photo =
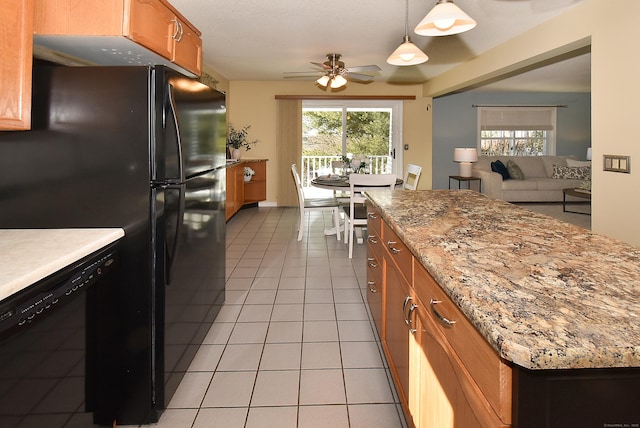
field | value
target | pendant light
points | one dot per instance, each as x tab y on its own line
407	53
445	19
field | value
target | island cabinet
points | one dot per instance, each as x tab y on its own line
375	282
16	37
153	24
445	373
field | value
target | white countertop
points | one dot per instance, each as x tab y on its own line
29	255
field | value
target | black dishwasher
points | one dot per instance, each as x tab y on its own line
48	344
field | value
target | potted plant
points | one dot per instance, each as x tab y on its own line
237	139
248	173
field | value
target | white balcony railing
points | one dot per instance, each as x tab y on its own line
313	166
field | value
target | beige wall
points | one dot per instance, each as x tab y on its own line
614	90
253	103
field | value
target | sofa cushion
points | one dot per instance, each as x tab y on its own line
557	183
500	168
514	170
531	166
575	173
550	161
573	162
520	185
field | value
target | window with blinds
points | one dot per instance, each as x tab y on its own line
517	131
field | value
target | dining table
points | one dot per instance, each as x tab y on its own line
341	183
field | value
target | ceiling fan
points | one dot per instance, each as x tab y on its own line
334	74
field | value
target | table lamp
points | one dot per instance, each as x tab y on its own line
465	157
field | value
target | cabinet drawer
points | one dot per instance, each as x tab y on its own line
398	252
374	244
374	292
487	369
374	220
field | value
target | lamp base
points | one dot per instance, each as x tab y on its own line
465	169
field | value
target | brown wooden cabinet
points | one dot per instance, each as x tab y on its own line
239	192
255	190
153	24
16	41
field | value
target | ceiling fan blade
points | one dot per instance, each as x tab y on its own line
310	73
358	76
324	66
364	68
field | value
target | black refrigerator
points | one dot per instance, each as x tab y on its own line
142	148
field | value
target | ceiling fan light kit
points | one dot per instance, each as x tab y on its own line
445	19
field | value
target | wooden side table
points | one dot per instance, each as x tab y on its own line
468	180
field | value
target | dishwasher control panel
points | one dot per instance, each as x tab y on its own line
45	295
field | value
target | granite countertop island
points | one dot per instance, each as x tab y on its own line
29	255
544	293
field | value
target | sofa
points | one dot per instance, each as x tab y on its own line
533	179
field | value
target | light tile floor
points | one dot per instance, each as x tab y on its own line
294	345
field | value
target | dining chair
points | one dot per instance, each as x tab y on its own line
314	204
337	167
411	176
356	213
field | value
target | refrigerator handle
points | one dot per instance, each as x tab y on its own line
174	116
173	251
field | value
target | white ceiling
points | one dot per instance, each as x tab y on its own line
260	40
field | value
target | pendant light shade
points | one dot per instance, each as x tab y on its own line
407	53
445	19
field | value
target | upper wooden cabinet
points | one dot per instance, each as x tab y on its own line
15	68
89	30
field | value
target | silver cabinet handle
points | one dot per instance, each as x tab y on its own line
372	286
373	240
371	214
412	308
179	32
372	262
393	249
445	321
407	299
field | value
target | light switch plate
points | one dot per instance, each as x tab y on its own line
616	163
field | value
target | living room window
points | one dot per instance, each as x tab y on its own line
516	130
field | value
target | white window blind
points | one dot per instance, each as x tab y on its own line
516	130
517	118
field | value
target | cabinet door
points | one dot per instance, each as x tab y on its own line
446	394
396	331
16	36
187	48
153	25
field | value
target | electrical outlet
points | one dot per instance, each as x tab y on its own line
615	163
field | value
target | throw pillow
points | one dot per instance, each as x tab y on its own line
575	173
514	170
574	163
501	169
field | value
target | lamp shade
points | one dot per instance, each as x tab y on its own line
465	155
589	153
338	82
323	80
407	54
445	19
